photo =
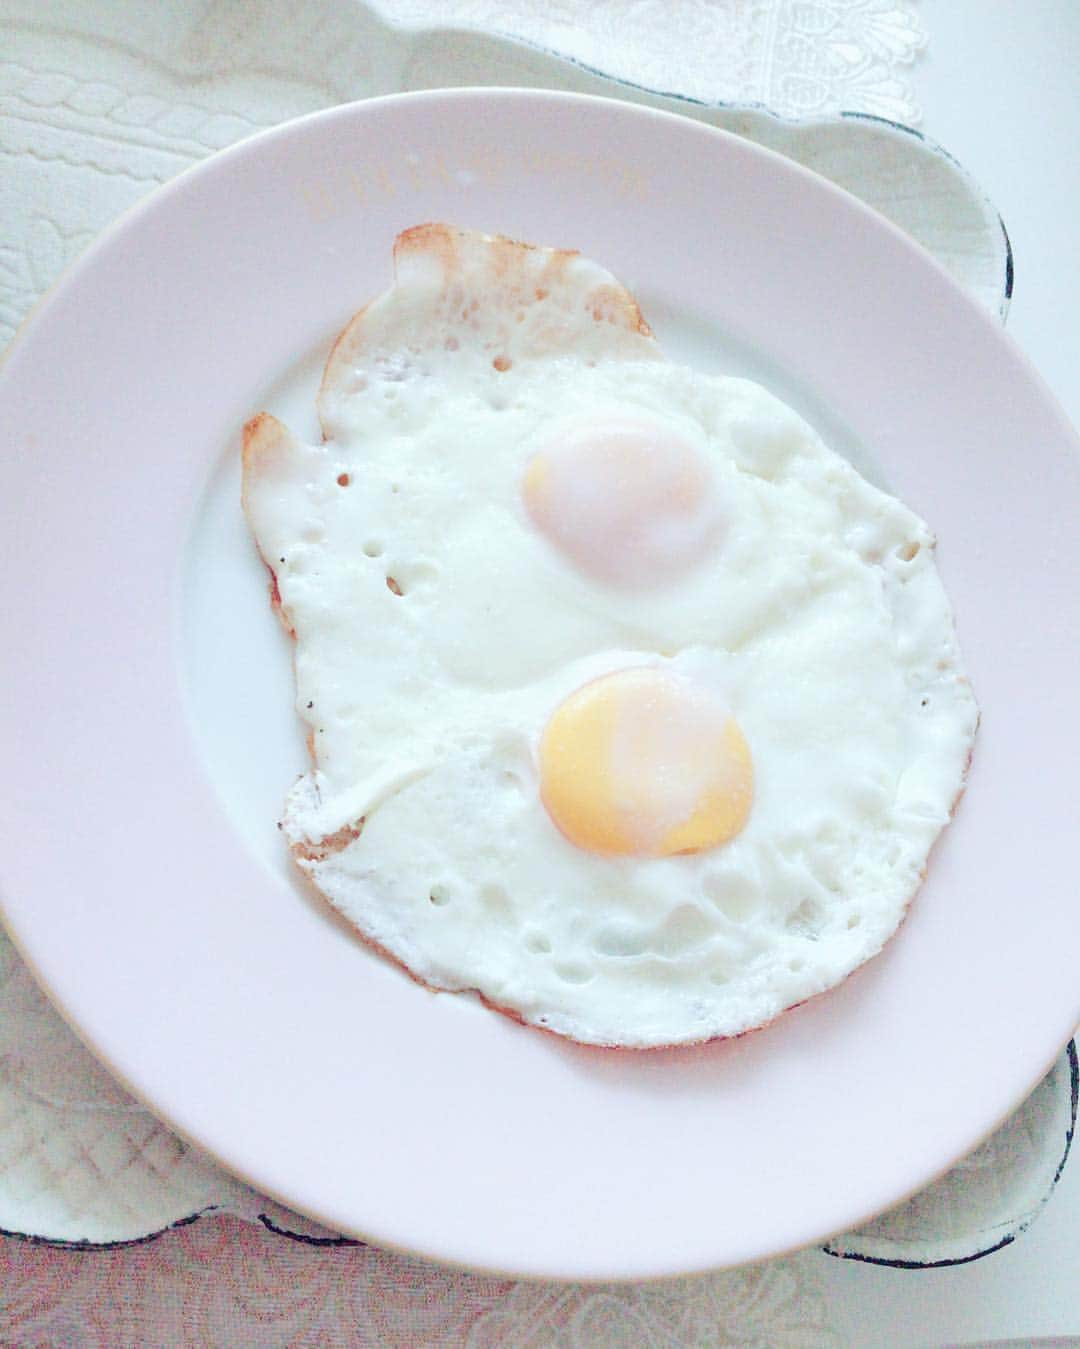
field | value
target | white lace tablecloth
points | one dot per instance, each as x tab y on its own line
801	58
101	102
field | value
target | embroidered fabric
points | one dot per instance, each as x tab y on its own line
801	58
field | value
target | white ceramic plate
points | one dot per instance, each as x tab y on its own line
149	733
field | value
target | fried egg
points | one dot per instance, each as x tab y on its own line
632	706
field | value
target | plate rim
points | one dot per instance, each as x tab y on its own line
213	164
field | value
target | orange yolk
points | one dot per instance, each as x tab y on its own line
629	502
646	763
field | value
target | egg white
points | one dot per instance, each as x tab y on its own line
820	620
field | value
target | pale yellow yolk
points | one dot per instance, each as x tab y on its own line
629	502
646	763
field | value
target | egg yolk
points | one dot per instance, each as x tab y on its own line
645	763
630	502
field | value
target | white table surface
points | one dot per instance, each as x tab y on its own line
1000	89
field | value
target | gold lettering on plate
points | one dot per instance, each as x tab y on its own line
319	200
366	184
